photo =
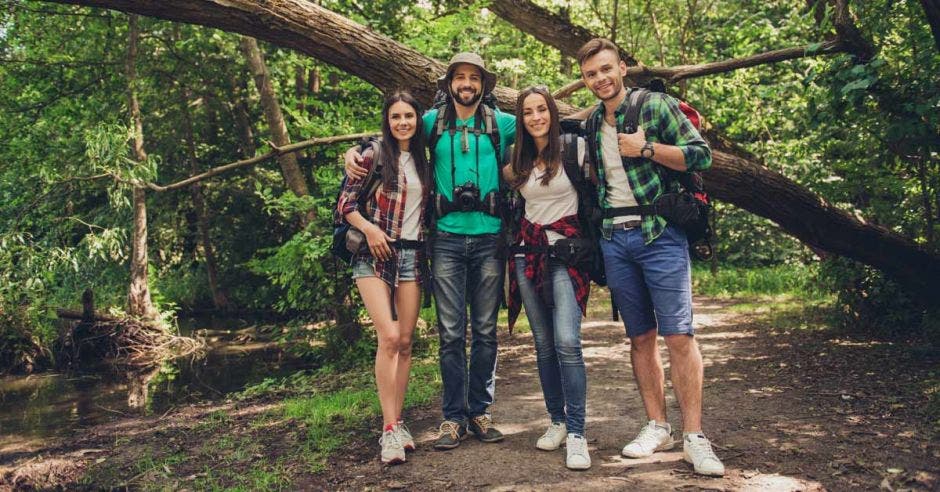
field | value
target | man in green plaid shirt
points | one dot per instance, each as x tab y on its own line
647	259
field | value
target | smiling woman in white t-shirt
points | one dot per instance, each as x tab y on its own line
554	294
392	271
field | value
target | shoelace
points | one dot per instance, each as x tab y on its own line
389	435
483	422
647	436
451	428
552	432
577	446
703	448
404	429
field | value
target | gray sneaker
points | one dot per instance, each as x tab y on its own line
392	450
404	436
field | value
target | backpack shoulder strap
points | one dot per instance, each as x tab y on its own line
492	129
440	125
569	158
631	120
591	128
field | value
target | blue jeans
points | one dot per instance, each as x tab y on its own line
557	333
466	270
650	283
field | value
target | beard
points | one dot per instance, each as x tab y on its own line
616	90
458	99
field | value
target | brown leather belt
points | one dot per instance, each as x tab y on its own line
630	224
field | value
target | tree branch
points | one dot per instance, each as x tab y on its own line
682	72
254	160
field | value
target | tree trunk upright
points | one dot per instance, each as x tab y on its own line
138	295
290	168
219	296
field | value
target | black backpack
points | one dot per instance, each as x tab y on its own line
690	207
372	182
589	213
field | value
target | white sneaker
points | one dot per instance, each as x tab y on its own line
697	450
651	438
404	436
553	437
578	457
392	450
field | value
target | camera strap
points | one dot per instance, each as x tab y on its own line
465	144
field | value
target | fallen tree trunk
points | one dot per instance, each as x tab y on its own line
740	178
736	176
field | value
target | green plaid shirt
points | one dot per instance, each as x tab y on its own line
664	123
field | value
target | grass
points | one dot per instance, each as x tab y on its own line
793	280
329	418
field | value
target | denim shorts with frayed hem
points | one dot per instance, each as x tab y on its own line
650	283
407	266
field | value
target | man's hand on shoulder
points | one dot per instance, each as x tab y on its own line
353	167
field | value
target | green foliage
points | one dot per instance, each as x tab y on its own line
796	280
863	136
869	301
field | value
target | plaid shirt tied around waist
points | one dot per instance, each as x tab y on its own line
386	209
663	122
536	264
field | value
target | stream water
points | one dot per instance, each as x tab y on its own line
44	405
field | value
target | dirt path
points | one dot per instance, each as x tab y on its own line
790	406
778	424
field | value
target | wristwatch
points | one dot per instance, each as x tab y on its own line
647	150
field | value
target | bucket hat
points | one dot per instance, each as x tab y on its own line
489	78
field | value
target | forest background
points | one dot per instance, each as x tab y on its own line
858	130
824	121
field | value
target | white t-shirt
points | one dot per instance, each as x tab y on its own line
619	192
546	204
411	222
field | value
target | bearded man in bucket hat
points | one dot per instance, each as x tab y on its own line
467	159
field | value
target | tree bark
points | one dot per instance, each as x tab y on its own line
239	110
932	11
739	178
290	169
138	292
385	63
219	296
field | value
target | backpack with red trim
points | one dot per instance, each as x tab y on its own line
698	231
697	204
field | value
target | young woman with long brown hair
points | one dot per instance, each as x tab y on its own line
392	271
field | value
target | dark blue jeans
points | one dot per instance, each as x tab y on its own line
466	271
556	330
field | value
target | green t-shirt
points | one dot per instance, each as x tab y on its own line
465	169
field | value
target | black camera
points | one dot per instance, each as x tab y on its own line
466	197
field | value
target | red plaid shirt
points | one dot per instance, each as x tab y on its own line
387	210
536	264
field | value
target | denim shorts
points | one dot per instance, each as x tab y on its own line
650	283
407	266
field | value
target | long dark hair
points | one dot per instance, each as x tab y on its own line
390	152
525	153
